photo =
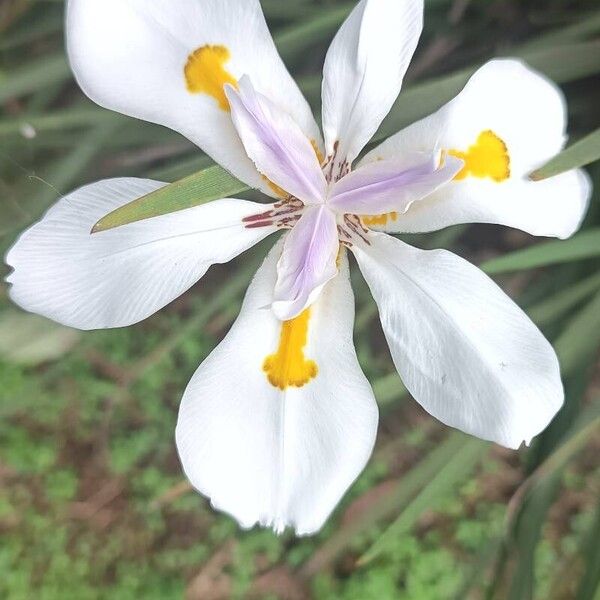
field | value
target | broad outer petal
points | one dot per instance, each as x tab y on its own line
131	56
526	113
279	457
364	69
121	276
466	352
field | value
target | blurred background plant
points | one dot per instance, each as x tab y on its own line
92	499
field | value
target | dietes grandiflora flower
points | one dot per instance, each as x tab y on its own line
279	420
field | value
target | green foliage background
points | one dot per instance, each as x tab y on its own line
92	500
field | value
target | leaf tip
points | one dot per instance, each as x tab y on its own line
99	226
536	176
363	560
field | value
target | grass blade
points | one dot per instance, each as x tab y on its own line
590	583
31	340
36	75
559	304
581	337
581	153
211	184
581	246
457	466
388	505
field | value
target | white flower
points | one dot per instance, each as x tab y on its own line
279	420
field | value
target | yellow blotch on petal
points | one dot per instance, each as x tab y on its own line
487	157
288	366
205	73
380	220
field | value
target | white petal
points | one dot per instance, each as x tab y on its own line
276	144
271	456
364	69
527	113
467	353
130	56
307	263
118	277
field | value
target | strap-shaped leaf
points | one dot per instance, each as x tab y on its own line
579	154
581	246
205	186
460	457
31	340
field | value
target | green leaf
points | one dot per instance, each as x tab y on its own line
388	389
31	340
565	63
295	41
583	245
581	153
211	184
61	174
562	302
530	504
386	505
581	337
59	120
37	74
590	582
456	465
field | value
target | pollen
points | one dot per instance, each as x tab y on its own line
205	73
318	152
288	366
487	158
380	220
278	191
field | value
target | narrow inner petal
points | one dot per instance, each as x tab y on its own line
307	263
205	73
276	144
392	185
488	157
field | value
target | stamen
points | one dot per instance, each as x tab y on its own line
288	366
335	169
352	226
381	220
278	191
205	73
330	163
318	152
284	214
